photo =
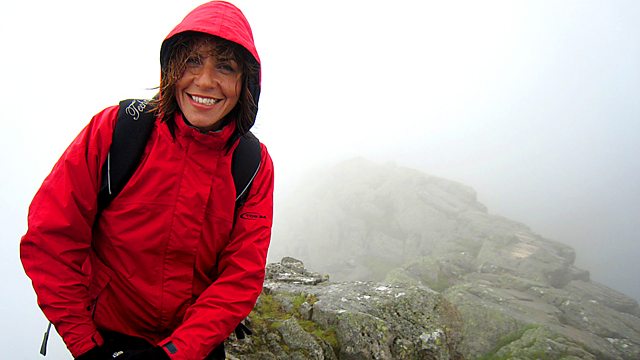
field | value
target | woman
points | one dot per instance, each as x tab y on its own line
170	267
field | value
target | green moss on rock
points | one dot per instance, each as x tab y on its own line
270	314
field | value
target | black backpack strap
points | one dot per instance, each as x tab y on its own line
245	165
130	136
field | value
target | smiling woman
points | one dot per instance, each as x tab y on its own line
209	88
172	265
206	76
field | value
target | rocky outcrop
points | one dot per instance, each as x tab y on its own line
496	307
298	319
290	270
515	293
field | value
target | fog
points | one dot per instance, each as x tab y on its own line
534	104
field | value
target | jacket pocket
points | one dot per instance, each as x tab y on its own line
100	279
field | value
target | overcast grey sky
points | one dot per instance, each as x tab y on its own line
535	104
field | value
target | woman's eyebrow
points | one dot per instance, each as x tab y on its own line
225	58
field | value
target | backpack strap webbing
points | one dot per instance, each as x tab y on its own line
130	136
245	164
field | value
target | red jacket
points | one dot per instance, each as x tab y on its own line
166	260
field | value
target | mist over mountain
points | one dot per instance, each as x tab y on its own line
363	221
359	220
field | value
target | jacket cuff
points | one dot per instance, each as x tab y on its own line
169	347
95	340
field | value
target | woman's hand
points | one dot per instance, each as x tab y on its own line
154	353
97	353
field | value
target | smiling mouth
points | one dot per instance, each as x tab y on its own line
204	101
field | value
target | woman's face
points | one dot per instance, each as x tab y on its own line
209	88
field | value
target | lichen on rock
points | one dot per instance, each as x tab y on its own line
352	320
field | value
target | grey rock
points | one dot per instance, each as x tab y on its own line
293	271
299	341
494	307
478	283
351	320
539	342
379	321
588	290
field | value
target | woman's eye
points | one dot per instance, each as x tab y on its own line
226	68
194	61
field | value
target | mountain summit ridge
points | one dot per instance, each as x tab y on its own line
362	221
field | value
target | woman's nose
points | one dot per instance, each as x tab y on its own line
208	77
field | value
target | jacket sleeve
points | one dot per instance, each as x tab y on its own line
57	242
241	268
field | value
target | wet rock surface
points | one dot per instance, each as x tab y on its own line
483	315
492	287
290	270
348	320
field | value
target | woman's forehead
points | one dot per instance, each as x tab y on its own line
213	47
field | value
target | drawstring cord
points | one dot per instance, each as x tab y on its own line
45	339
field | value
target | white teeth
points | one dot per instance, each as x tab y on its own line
204	101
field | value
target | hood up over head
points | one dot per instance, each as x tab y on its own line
222	19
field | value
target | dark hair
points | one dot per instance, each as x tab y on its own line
173	58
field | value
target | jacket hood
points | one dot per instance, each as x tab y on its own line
222	19
218	18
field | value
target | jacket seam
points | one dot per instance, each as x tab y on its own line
164	321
